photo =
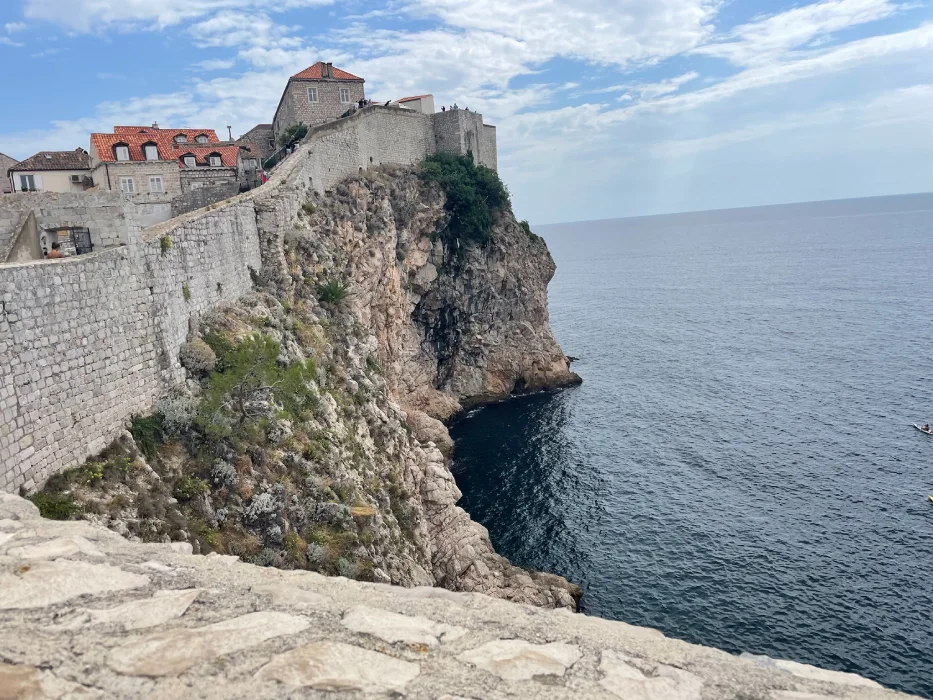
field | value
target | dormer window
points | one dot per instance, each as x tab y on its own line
215	160
121	151
202	138
189	161
181	138
150	151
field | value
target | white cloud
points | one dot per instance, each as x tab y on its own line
132	15
610	32
13	27
214	64
7	41
765	38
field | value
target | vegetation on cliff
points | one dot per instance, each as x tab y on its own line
474	196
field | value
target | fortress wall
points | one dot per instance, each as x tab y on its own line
89	341
77	357
211	255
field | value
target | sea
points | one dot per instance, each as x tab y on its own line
739	468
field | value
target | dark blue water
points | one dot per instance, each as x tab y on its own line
738	468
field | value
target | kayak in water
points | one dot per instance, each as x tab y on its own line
923	428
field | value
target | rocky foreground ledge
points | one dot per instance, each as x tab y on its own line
88	614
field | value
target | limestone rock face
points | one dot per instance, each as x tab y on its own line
454	327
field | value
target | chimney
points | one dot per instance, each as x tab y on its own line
230	132
155	125
328	71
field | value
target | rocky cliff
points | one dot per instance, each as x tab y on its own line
330	453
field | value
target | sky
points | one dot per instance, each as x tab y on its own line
604	108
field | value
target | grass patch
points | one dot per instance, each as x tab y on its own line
55	506
148	432
165	244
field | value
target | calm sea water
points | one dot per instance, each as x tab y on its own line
738	468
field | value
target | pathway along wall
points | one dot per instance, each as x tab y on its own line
89	341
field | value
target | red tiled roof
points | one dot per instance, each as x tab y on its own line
164	139
228	154
190	133
317	72
416	97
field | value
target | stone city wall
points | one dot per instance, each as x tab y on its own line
108	215
89	341
200	197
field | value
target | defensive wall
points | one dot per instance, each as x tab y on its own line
89	341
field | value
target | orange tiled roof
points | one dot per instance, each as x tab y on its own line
317	72
190	133
164	140
416	97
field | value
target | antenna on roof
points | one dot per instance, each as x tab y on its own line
155	125
230	132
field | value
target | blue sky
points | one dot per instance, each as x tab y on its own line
604	108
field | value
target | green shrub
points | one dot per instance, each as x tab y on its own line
55	506
247	381
308	208
148	433
474	195
526	227
165	244
293	133
373	364
188	487
185	292
332	291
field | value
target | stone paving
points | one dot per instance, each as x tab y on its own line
87	614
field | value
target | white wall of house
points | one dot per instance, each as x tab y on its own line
50	180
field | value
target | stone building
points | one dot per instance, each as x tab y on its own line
318	94
262	136
52	171
6	184
419	103
167	164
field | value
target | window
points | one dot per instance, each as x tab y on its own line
151	151
271	143
215	161
127	185
121	152
201	138
155	183
312	94
27	183
345	95
190	161
181	138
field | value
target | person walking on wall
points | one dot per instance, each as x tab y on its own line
55	253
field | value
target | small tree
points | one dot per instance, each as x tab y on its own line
293	133
250	379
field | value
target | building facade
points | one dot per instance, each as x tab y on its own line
318	94
6	184
163	163
52	171
261	136
418	103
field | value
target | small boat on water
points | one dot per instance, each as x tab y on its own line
923	429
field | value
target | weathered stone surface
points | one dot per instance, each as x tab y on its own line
634	679
516	659
392	627
52	549
284	594
174	652
138	614
243	637
812	672
42	583
337	666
